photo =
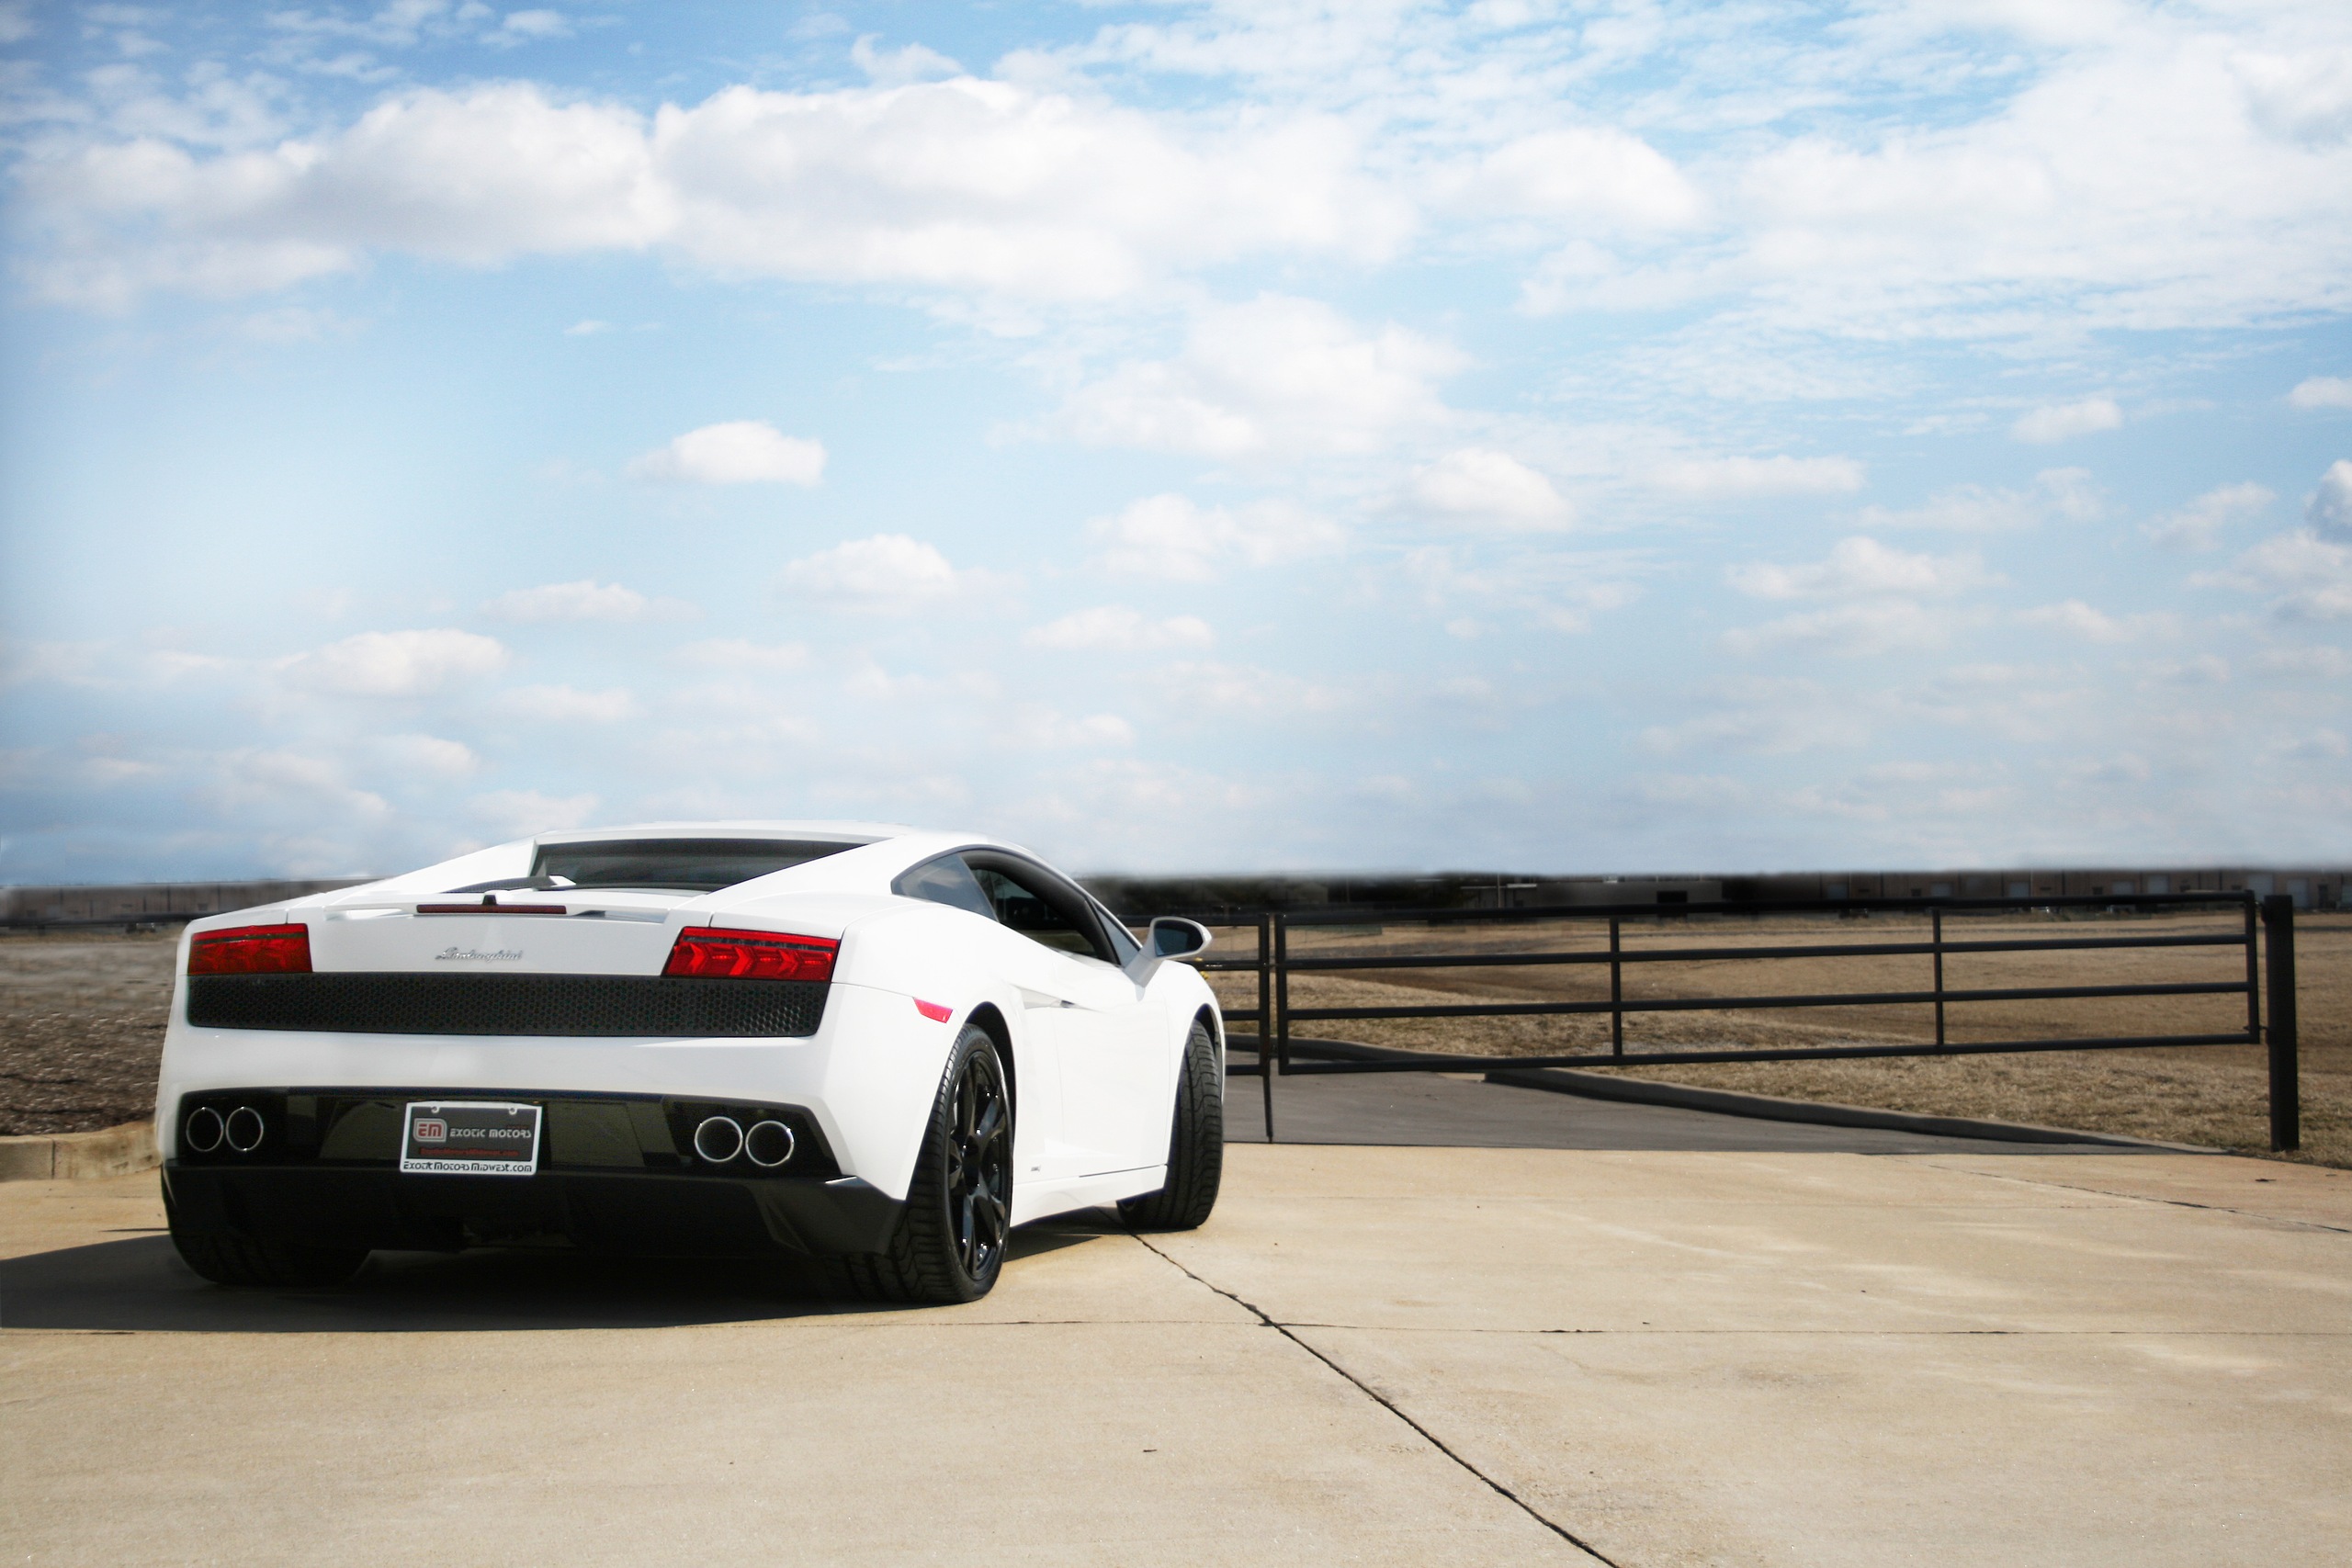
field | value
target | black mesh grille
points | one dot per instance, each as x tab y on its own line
506	1004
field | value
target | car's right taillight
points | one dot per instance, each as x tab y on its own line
251	949
710	952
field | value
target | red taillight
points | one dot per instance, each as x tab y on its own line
710	954
252	949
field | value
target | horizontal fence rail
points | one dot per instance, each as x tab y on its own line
1293	1054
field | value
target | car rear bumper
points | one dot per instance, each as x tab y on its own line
650	1214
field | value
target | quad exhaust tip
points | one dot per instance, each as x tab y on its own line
205	1130
243	1129
769	1143
718	1139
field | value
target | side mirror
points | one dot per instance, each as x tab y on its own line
1172	938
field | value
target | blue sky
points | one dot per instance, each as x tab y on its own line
1606	438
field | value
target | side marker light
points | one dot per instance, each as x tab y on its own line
936	1011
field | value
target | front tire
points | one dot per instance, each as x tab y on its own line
949	1244
1195	1145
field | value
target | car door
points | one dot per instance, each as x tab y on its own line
1109	1032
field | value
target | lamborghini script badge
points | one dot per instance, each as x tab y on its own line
499	956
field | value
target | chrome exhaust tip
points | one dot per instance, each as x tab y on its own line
769	1143
204	1130
243	1129
718	1139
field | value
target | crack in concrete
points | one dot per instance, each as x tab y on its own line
1500	1490
2145	1197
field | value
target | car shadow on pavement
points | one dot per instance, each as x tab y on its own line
138	1283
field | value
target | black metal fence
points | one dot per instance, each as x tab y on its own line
1295	1055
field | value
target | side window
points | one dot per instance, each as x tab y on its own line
1039	906
1123	940
946	881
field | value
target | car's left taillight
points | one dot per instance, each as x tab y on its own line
251	949
708	952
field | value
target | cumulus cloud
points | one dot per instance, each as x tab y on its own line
519	813
742	653
887	574
397	664
2200	523
1274	375
1117	629
2322	392
740	451
430	754
2076	618
1043	728
1478	488
2063	421
1730	477
1174	538
1858	567
961	184
567	704
2308	577
1582	174
1853	631
582	601
2065	495
2329	510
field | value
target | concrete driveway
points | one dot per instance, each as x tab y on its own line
1370	1354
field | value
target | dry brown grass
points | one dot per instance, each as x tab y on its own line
2213	1095
82	1018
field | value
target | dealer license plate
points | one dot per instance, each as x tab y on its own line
468	1137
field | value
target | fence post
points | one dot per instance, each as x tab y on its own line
1936	926
1616	994
2286	1093
1266	1019
1281	991
2253	976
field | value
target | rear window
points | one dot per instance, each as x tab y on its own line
677	865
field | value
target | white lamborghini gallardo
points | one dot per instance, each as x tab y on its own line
873	1047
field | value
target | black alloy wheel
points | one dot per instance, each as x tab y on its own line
949	1244
979	1166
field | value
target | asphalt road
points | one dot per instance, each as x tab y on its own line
1384	1355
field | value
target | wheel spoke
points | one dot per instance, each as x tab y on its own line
992	1122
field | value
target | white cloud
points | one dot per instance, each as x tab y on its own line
519	813
1858	568
888	573
1276	376
566	705
1116	628
1044	730
587	328
2320	663
2058	494
1226	693
2322	392
2199	524
1482	487
1766	717
2329	510
582	601
532	25
397	664
2063	421
273	782
742	653
2076	618
896	67
2309	578
430	754
1853	631
1173	538
740	451
963	183
1580	175
1713	476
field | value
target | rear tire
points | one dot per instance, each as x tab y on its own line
238	1260
1195	1145
949	1244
